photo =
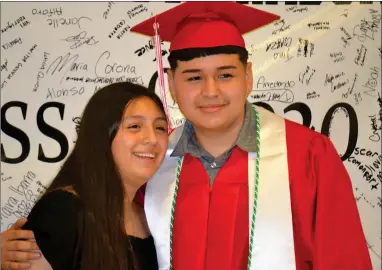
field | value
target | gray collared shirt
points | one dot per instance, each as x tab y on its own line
189	144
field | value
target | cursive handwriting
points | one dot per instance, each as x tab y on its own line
337	57
283	55
312	95
350	90
369	170
295	9
361	55
331	78
16	207
80	39
5	178
263	84
279	43
367	28
136	10
106	13
101	69
375	137
4	66
280	95
345	38
67	21
66	61
306	75
281	27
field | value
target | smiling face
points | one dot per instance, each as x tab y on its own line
211	91
141	142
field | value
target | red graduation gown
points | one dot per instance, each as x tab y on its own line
211	223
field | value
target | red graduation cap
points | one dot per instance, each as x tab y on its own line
206	24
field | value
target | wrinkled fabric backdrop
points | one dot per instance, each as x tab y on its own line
319	65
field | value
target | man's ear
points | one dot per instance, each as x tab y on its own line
171	83
249	77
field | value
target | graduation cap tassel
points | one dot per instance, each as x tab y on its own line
158	54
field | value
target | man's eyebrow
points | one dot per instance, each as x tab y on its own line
191	71
199	70
226	67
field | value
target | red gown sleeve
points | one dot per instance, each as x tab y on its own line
339	241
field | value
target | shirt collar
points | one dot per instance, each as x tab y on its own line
246	139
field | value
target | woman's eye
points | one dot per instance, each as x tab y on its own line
162	128
133	126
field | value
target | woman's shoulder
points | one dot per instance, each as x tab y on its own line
55	207
59	198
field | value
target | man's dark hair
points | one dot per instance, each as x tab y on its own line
192	53
93	174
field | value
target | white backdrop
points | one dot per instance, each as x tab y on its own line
319	65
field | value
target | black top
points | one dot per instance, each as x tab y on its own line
54	220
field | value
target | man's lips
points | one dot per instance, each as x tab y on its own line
211	107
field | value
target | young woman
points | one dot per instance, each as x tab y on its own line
89	218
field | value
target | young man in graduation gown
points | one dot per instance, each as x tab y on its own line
242	188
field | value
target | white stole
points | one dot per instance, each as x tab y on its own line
273	244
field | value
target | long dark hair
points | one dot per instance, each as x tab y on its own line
91	171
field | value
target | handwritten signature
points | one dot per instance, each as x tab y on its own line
280	95
80	40
5	178
375	137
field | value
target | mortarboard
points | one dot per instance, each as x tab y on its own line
205	24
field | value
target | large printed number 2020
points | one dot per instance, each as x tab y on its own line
306	114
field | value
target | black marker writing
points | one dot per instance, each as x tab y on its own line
4	66
10	25
80	39
12	43
67	21
136	10
280	95
106	13
40	74
50	12
367	28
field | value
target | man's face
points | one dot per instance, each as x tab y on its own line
211	91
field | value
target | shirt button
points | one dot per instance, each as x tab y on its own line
213	165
